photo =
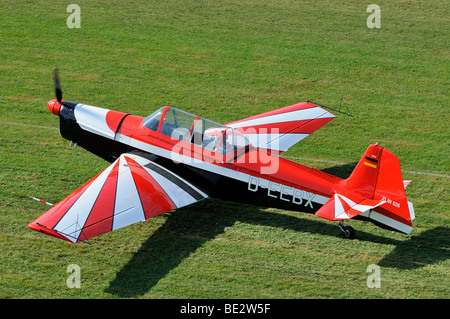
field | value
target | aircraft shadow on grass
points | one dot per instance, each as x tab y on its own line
189	228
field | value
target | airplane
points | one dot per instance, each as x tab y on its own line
171	159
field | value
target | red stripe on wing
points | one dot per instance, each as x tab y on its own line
303	126
100	218
154	199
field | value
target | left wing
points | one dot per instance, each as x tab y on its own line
130	190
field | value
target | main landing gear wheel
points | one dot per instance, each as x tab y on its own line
347	231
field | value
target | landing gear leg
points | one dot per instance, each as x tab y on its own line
347	231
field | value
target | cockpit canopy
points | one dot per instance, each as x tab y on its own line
183	126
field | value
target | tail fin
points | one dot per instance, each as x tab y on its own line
375	190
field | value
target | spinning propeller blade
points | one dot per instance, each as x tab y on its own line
58	90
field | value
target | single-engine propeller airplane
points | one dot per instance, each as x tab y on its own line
171	159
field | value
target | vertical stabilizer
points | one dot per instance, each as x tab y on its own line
375	191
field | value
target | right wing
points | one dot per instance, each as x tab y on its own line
130	190
280	129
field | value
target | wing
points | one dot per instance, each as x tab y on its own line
130	190
280	129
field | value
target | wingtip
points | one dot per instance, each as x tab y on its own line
48	231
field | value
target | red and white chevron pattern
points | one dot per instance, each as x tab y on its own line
130	190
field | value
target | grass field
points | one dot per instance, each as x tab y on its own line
225	61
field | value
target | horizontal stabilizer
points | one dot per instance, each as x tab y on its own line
340	207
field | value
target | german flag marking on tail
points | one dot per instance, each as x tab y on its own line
371	162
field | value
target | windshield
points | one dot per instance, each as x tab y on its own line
152	121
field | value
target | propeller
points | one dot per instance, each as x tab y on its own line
58	90
55	105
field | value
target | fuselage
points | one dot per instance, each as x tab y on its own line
200	153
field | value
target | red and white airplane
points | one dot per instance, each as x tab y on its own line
171	159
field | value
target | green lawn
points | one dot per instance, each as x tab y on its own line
225	61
